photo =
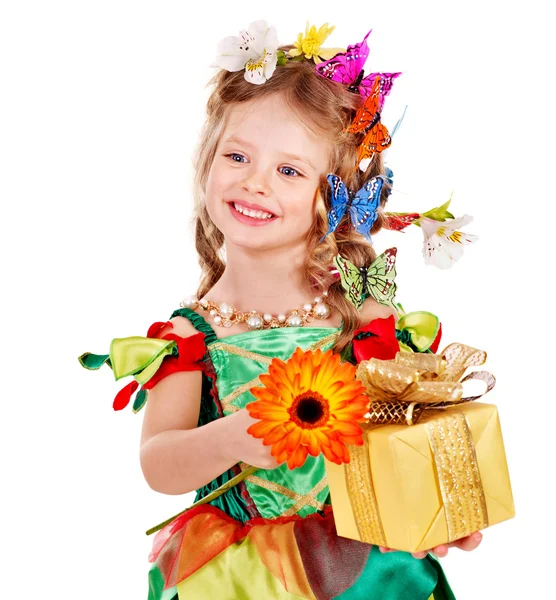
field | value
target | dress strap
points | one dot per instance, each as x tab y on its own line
198	321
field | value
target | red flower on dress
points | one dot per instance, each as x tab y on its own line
376	340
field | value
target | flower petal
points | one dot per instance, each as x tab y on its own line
297	458
255	76
230	62
347	428
294	440
313	447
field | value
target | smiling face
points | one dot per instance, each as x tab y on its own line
266	163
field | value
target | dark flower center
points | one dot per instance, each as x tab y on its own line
310	410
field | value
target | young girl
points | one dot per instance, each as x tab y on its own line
273	134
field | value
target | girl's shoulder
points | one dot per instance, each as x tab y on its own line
186	322
181	326
372	310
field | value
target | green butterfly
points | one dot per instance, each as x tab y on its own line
377	280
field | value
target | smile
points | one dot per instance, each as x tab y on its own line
250	217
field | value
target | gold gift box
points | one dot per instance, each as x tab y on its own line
414	487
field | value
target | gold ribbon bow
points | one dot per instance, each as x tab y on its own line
401	389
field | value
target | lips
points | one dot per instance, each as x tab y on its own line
252	221
251	206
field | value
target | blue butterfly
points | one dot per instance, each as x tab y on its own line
362	206
389	174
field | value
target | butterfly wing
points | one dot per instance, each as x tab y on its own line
389	175
380	278
363	207
386	81
339	201
345	66
352	281
368	115
397	222
377	140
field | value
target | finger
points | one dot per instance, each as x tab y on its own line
469	543
383	549
440	551
419	555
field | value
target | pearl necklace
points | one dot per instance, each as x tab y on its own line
226	315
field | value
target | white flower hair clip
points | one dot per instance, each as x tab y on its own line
443	244
255	50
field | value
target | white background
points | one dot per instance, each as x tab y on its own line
101	106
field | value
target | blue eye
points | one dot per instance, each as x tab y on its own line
234	154
293	170
239	158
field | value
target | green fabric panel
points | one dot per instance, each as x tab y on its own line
156	585
381	580
235	370
442	591
237	573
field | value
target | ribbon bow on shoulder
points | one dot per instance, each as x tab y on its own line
144	358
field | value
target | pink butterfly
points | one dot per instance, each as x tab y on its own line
347	68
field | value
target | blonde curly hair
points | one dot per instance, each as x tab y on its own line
328	113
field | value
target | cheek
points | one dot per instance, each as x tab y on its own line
303	207
212	183
212	195
215	189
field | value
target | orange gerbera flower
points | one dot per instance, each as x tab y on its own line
308	405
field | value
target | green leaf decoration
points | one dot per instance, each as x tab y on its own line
94	361
140	400
417	330
440	213
282	59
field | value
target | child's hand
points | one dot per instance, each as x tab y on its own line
467	543
247	448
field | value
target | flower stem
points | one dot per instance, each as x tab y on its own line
208	498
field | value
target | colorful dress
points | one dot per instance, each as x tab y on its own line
273	535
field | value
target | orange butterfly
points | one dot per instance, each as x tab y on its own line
367	119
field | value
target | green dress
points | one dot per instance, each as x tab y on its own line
273	535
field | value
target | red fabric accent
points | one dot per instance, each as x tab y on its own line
382	344
209	531
157	326
124	395
436	343
191	351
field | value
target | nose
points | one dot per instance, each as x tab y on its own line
256	182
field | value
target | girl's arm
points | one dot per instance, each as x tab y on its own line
177	456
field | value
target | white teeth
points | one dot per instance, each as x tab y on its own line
257	214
